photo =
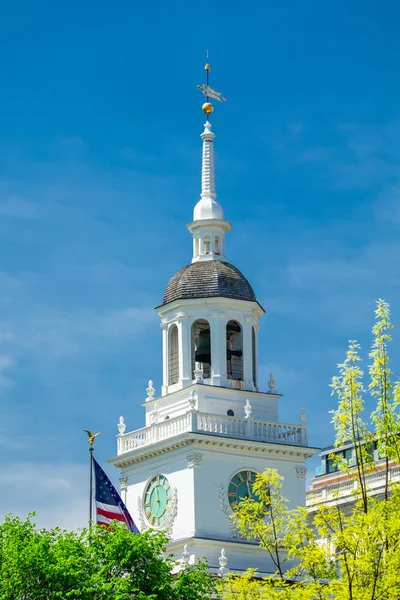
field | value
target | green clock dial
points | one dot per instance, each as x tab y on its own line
241	487
157	500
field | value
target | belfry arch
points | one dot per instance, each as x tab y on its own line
234	350
201	346
173	355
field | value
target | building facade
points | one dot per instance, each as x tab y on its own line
331	485
212	429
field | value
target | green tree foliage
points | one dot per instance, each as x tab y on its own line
341	553
96	564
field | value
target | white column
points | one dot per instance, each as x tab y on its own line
218	350
164	388
185	353
247	354
212	244
256	328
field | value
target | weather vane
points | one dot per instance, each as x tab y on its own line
209	92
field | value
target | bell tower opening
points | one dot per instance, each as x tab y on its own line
201	346
173	355
234	351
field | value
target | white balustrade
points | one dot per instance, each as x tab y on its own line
219	425
375	482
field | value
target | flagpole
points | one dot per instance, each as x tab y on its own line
91	438
90	485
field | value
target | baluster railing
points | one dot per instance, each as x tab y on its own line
195	421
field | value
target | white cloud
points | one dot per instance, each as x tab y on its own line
357	156
58	493
72	333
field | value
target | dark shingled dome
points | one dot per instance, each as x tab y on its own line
209	279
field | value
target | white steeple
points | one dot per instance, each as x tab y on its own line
208	207
211	430
208	226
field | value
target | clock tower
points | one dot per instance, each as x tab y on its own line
212	429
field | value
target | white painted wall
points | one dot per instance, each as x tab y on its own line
216	401
200	516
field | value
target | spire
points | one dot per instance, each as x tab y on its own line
208	226
208	207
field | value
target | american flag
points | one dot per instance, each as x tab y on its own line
109	505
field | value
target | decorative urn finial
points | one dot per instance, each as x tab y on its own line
198	372
150	391
303	415
223	561
121	425
248	409
185	555
271	384
192	400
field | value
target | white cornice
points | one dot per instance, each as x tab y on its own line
211	303
211	442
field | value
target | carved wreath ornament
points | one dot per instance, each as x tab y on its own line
227	512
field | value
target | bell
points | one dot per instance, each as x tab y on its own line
230	353
203	351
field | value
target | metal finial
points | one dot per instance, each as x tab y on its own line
209	92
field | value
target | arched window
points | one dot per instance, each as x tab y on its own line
206	244
201	346
234	351
230	413
216	245
254	355
173	355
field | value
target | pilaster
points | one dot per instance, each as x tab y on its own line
164	387
218	350
247	354
185	353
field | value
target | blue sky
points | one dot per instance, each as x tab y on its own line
99	172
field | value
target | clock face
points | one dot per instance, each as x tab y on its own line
157	500
241	487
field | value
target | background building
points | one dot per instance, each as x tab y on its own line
331	485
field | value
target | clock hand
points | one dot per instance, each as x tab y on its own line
248	489
157	497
